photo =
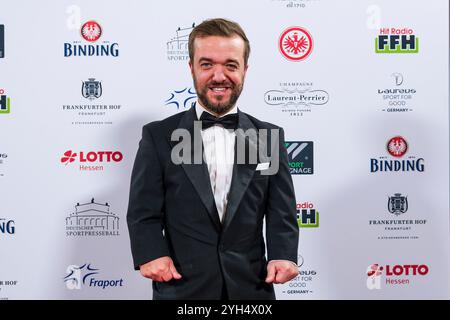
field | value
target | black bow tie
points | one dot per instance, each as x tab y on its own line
230	121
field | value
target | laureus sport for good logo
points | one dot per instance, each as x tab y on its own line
295	43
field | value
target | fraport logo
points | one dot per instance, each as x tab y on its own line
88	276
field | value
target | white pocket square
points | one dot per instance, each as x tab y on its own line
262	166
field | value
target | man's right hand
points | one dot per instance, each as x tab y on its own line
161	269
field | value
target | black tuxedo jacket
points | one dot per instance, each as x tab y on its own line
172	213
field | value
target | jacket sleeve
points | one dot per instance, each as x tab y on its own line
281	217
146	204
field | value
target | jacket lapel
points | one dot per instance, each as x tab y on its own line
198	173
242	173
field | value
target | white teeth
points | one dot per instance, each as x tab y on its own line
219	89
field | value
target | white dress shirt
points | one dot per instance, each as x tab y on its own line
218	144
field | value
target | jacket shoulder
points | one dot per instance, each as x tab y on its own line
164	126
259	124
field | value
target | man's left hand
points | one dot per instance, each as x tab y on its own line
281	271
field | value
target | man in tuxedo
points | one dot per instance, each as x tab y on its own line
196	227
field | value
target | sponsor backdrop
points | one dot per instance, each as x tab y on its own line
360	87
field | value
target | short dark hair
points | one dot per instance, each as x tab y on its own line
218	27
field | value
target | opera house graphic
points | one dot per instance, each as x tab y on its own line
92	219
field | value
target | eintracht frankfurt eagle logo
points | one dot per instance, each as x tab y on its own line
295	43
397	146
91	31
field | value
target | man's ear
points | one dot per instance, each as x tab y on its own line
191	67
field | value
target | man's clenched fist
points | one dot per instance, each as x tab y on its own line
161	269
281	271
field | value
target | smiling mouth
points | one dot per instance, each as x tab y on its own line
218	89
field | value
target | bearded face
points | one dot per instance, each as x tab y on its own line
218	72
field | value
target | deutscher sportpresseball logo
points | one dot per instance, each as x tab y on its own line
177	46
92	219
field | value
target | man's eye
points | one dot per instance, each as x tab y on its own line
232	66
205	65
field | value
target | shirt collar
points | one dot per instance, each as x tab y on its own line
199	109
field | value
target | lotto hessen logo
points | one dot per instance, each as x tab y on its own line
396	40
394	274
307	215
91	31
91	157
295	43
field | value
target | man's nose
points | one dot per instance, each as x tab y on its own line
219	74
